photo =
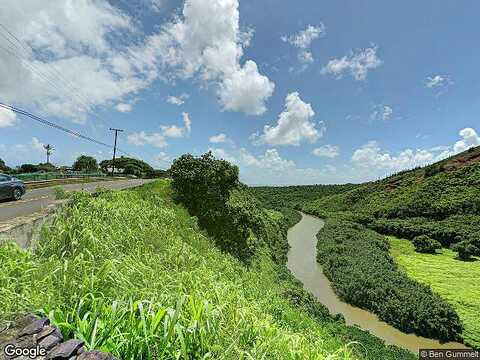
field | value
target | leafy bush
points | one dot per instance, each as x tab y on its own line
465	250
210	189
358	263
60	193
425	244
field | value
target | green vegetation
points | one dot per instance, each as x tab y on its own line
128	166
425	244
3	166
131	273
289	199
86	164
441	201
294	197
436	204
358	263
60	193
211	191
455	281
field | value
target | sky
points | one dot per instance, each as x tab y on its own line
309	92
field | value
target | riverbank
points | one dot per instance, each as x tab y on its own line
303	264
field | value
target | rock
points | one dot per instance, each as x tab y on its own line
35	327
26	320
95	355
50	341
48	330
26	341
65	350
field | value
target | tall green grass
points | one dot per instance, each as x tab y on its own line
131	273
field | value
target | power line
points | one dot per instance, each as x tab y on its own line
50	73
59	127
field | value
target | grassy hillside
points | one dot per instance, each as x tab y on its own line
131	273
286	199
440	201
455	281
450	187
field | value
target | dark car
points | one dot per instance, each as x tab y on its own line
11	188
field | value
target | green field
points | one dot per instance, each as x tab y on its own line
458	282
131	273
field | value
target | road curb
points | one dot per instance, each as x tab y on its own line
25	230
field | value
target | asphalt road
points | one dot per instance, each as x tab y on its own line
37	199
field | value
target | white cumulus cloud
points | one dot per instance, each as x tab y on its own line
246	90
295	124
302	42
175	131
206	42
304	38
142	138
123	107
470	139
328	151
159	139
220	138
82	48
358	64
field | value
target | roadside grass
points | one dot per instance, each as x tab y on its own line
458	282
131	273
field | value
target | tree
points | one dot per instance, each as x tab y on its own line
49	149
85	163
3	166
128	166
425	244
203	181
28	168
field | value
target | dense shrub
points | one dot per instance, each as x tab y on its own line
465	249
358	263
210	190
425	244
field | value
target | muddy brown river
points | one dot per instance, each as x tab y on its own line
303	264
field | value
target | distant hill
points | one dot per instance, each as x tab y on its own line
438	191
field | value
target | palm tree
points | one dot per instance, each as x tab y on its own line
49	149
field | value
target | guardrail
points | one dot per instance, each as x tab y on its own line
56	176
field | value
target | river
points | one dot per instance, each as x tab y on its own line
303	264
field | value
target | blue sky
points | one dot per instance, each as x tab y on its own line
291	92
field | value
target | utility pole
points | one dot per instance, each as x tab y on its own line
115	148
